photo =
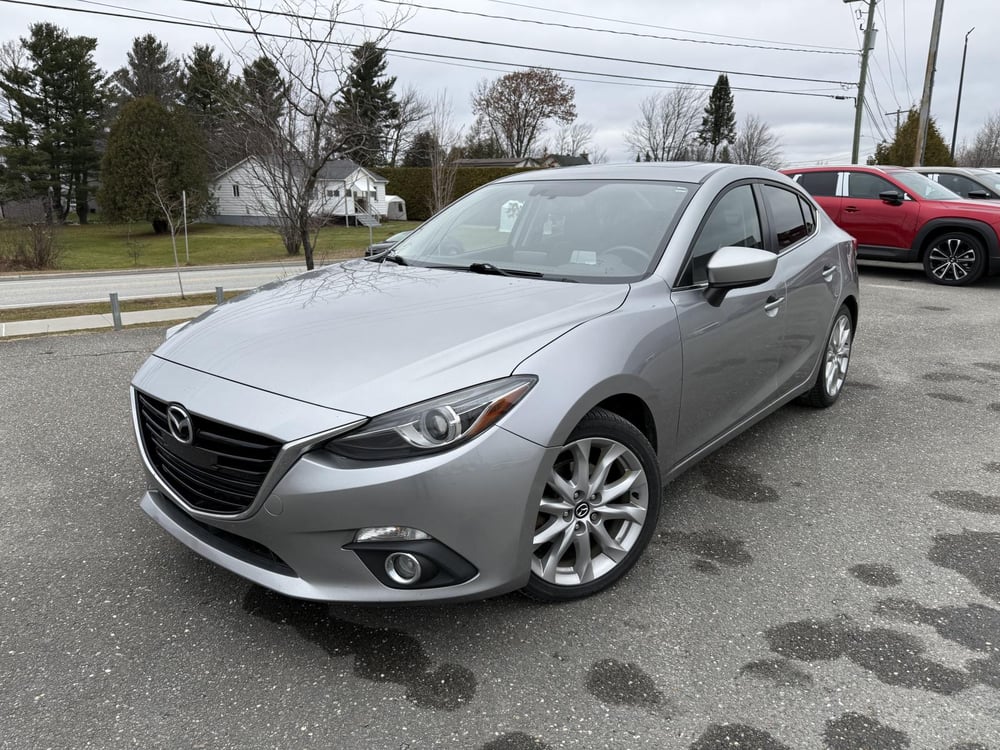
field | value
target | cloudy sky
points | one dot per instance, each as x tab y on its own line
819	40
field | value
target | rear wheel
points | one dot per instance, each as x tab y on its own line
955	259
598	510
836	359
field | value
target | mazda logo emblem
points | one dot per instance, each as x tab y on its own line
179	424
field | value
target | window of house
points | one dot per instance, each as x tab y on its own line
732	222
787	220
236	190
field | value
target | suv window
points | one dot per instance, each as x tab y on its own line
864	185
819	183
787	218
732	222
960	184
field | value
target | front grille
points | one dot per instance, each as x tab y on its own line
221	471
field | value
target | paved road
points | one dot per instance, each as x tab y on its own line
828	580
22	291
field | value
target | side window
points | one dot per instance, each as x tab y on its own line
732	222
864	185
787	220
819	183
957	183
809	214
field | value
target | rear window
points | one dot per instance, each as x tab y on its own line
819	183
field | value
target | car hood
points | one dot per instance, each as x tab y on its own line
984	210
367	338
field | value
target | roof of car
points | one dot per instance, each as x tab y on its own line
841	167
954	170
678	171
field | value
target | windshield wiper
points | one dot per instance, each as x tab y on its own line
491	270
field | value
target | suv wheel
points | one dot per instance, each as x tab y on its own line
954	259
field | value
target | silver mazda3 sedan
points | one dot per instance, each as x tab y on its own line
497	403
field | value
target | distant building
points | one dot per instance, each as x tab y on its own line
344	190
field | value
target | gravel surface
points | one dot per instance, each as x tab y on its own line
830	579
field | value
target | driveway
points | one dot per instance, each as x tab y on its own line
828	580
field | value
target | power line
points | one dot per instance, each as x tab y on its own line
616	32
416	53
518	47
654	26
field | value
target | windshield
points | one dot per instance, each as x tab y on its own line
578	230
925	187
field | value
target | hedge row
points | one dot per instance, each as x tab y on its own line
413	185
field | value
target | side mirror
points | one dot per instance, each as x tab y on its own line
979	194
737	267
892	196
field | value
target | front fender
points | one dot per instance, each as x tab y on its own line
634	350
980	228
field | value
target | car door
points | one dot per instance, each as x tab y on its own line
873	222
730	351
813	280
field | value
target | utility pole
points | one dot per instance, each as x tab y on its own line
925	101
958	104
898	112
859	106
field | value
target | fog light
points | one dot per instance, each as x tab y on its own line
403	568
390	534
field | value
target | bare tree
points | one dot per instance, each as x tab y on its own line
444	153
667	127
756	144
985	148
290	147
411	112
517	106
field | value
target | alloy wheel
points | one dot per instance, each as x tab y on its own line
591	514
952	260
838	356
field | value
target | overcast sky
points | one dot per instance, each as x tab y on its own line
811	128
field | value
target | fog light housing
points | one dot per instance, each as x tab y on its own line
390	534
403	568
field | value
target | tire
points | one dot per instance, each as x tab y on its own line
597	512
955	259
833	367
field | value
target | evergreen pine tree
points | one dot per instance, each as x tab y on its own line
718	126
901	150
367	106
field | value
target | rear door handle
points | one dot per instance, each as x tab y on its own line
828	272
773	303
851	209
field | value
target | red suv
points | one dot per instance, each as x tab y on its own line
897	214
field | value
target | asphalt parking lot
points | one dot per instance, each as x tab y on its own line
831	579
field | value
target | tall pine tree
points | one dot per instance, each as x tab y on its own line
55	96
718	126
902	148
151	71
367	106
207	93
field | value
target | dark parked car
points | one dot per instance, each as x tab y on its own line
496	403
897	214
380	247
975	184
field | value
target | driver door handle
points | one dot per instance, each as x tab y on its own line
773	303
851	209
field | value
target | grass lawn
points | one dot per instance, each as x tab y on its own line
44	312
100	247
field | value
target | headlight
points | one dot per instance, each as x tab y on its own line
434	425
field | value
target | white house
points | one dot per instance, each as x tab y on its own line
343	190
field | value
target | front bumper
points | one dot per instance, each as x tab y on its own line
479	500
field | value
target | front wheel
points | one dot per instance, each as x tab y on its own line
597	512
955	259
